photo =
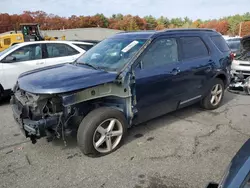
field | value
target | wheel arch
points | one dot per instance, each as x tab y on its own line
121	104
223	77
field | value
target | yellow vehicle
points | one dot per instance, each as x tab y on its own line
29	32
7	40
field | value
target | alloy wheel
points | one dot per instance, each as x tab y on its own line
108	135
216	94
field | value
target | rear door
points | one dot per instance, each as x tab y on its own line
196	67
58	53
26	58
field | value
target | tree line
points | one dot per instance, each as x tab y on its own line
230	25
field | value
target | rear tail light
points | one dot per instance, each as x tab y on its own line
232	55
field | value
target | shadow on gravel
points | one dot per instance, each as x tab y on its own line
70	142
139	130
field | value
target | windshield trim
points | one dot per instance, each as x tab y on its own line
133	59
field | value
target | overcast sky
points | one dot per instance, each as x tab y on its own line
204	9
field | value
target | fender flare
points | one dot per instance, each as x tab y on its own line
223	76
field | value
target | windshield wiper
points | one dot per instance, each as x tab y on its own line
89	65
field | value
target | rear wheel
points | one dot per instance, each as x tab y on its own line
214	97
101	132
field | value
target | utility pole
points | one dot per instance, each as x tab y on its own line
240	29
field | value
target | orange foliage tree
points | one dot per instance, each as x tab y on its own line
122	22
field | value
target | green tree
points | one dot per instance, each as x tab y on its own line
163	21
234	22
151	22
177	22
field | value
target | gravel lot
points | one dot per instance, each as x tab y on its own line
187	148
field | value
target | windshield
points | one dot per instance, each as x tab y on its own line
8	49
111	54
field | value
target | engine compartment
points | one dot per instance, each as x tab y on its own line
38	106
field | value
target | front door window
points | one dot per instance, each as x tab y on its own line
26	53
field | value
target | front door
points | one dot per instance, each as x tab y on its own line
25	58
158	79
197	64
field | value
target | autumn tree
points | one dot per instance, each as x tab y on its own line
225	25
222	27
196	24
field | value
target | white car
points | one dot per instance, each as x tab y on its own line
27	56
241	64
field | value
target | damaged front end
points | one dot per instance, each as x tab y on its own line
240	85
241	64
37	115
59	115
240	70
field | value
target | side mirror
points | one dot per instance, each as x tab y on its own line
9	59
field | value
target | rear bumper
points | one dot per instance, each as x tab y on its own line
32	128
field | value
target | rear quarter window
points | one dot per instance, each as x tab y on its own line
220	42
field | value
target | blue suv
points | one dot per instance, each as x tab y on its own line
124	80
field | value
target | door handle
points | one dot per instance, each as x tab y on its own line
175	71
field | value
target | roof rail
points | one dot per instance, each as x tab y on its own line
136	31
178	29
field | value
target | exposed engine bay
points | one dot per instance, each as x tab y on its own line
41	115
240	82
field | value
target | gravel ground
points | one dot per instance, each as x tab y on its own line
187	148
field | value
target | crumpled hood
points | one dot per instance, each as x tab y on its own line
63	78
245	43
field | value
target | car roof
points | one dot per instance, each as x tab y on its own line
54	41
152	33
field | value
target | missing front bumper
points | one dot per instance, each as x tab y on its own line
32	128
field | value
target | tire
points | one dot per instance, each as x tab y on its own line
95	127
206	102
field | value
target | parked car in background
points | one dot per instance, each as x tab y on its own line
237	174
27	56
89	41
241	64
127	79
234	45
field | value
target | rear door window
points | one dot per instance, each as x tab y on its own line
220	42
60	50
193	47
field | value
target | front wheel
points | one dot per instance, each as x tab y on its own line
215	95
101	131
